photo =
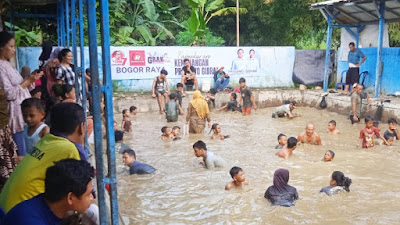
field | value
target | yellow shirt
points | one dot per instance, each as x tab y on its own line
27	180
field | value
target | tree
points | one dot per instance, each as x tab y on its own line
197	31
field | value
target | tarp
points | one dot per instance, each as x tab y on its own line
309	67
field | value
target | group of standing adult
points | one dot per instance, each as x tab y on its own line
54	67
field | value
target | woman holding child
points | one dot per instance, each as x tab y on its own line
198	113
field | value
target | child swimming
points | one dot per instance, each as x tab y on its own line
210	160
126	124
237	175
329	155
166	133
338	183
282	141
133	110
175	131
33	111
367	134
392	132
332	128
216	129
287	151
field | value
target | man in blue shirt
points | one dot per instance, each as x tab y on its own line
135	167
68	187
356	58
221	79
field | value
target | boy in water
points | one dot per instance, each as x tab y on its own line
232	105
247	97
287	151
329	155
285	110
172	109
367	134
135	167
210	160
392	131
237	175
133	110
167	135
332	128
282	141
175	131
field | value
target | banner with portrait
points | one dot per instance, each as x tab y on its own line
261	66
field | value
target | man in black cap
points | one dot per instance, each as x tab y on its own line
286	109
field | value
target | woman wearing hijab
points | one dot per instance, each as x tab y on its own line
47	47
198	113
281	193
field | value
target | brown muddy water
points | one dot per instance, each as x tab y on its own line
181	192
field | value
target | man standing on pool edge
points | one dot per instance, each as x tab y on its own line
353	73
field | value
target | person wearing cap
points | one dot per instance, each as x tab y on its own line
159	84
285	110
221	79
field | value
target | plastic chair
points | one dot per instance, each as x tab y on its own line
364	75
189	85
341	81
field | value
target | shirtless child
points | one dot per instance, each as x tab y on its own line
285	152
237	175
332	128
309	136
166	133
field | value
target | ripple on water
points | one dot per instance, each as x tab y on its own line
182	193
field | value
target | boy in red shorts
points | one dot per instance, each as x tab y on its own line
247	97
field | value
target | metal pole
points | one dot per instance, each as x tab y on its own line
82	48
96	93
379	67
67	29
75	51
108	92
237	24
358	37
62	25
328	52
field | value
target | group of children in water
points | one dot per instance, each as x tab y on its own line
280	193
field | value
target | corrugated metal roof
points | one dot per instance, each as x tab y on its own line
359	11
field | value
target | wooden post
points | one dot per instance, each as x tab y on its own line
237	23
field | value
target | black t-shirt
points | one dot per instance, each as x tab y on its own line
186	70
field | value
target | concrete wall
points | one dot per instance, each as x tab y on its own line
391	69
269	98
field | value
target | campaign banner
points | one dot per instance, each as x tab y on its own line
266	66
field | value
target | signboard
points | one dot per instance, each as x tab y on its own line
267	66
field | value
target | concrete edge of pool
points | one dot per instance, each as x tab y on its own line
272	98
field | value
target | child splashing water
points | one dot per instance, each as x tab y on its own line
33	111
216	128
367	134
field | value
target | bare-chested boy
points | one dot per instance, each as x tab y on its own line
285	152
332	128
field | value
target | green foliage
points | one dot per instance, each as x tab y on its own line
24	37
186	38
141	22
